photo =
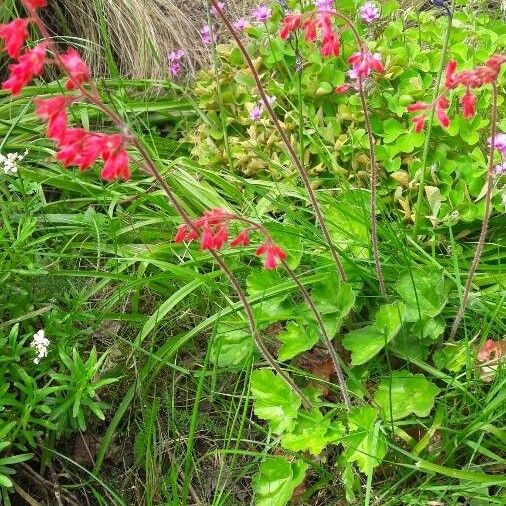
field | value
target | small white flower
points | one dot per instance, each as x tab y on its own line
41	344
9	163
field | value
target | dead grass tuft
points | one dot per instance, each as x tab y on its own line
138	34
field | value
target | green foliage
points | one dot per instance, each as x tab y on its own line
403	394
367	342
274	400
277	480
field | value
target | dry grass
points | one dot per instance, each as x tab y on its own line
138	33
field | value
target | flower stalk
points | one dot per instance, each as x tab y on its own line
486	219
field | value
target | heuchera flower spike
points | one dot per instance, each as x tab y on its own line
470	79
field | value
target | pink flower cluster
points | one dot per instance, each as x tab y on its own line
468	79
80	148
76	146
212	228
174	60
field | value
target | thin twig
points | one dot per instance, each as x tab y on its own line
484	227
326	338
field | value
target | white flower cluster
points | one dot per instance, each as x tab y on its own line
9	163
41	344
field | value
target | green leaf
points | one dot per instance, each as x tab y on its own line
232	344
5	481
312	432
367	342
296	339
332	296
423	292
365	444
261	280
405	393
277	480
274	400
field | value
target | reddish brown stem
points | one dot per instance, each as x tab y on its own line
291	151
151	169
374	192
327	341
486	218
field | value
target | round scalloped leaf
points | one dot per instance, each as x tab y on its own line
274	400
405	393
277	479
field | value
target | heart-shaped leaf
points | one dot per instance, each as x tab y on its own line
312	432
296	339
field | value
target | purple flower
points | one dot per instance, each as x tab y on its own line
500	169
205	33
262	13
214	11
499	143
369	12
256	112
174	59
324	5
241	24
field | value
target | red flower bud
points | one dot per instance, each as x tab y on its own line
468	103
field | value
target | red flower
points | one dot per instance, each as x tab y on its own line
310	30
342	89
418	106
419	122
182	232
76	68
70	146
30	64
468	103
442	105
241	240
34	4
207	242
14	35
331	46
450	73
363	63
54	112
273	255
116	166
290	23
220	238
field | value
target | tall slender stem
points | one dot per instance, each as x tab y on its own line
153	171
486	218
374	192
430	123
326	339
291	151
